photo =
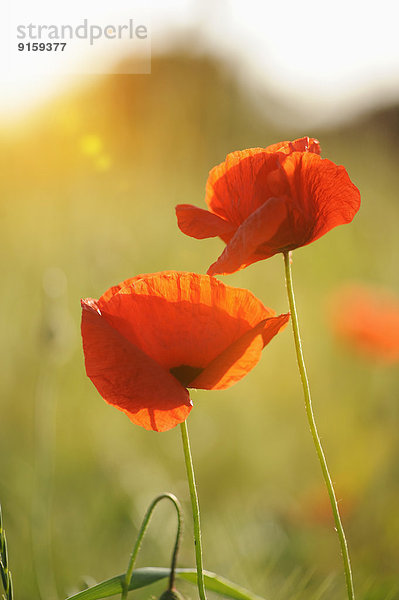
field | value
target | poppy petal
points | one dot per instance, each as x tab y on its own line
239	358
115	289
128	378
322	193
305	144
229	188
230	191
256	231
199	223
182	318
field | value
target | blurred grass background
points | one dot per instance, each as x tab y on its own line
88	195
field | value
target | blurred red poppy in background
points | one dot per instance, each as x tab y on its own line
267	200
150	338
312	506
367	319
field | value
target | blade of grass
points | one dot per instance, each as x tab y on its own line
219	585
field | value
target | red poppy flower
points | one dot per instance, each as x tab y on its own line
368	320
313	506
150	338
267	200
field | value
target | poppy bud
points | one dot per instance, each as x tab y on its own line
171	595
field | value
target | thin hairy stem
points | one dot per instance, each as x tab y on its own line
313	428
142	531
195	508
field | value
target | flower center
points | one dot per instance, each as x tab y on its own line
185	373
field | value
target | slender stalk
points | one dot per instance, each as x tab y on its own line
195	507
42	500
5	574
142	531
313	428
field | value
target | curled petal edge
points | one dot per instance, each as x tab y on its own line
254	232
239	358
200	223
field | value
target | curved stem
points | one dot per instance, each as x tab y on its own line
142	531
313	429
195	506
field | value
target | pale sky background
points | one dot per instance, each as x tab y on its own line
328	59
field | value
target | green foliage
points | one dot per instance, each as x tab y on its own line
5	573
148	575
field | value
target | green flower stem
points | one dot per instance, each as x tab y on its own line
195	506
142	531
5	574
313	428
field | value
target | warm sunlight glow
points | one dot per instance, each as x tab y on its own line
48	48
327	61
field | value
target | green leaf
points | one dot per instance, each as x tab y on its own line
218	584
148	575
111	587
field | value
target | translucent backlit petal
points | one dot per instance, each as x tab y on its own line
239	358
148	338
182	318
129	379
199	223
318	195
230	186
322	195
305	144
261	226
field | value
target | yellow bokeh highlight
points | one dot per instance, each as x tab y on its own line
91	144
